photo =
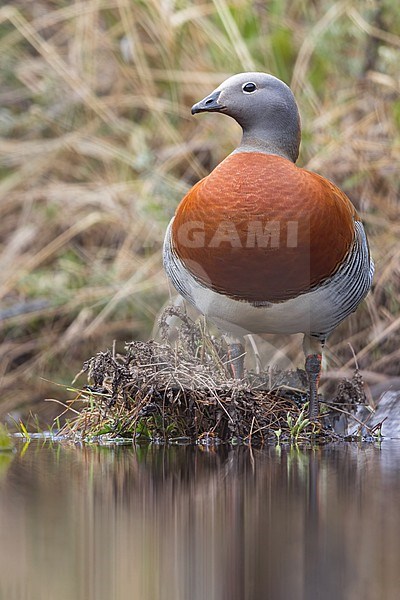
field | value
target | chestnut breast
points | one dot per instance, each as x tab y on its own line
260	229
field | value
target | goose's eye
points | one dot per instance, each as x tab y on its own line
249	88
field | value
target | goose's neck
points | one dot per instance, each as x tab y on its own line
283	141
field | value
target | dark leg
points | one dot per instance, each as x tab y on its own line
236	357
313	370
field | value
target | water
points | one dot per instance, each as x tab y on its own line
183	523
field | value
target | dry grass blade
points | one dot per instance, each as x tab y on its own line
308	46
236	39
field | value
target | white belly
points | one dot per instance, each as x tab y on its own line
306	314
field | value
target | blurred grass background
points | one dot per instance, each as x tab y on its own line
98	146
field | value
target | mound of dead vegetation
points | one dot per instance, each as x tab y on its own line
185	393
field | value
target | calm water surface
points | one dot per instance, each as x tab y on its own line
182	523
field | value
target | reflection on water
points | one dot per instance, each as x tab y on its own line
182	523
